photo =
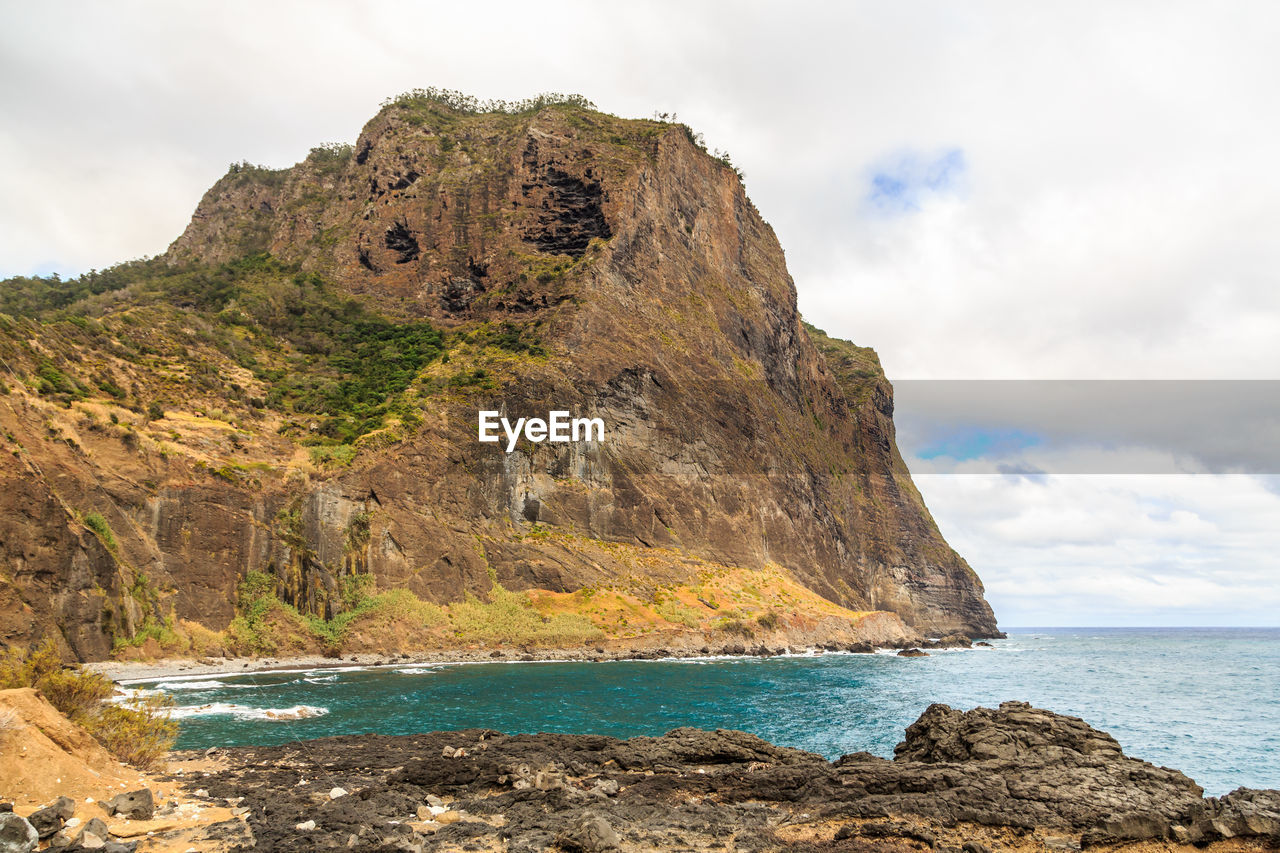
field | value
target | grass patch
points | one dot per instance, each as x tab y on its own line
321	353
264	624
333	455
391	609
677	612
510	618
95	522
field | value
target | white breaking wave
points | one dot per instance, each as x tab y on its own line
129	694
244	712
197	685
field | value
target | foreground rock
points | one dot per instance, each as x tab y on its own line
1013	778
17	835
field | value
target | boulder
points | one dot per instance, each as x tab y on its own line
591	834
1021	767
17	835
1243	813
135	805
50	819
91	841
96	827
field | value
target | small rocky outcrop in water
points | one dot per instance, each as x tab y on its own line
1014	778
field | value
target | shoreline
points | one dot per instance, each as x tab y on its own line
1015	778
132	672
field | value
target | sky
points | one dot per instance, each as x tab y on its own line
981	191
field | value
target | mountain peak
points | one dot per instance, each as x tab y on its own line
348	319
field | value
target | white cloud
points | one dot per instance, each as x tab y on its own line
1104	550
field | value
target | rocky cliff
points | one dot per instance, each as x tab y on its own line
293	389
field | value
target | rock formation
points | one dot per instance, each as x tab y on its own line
1015	778
569	260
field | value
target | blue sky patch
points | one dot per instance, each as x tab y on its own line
902	182
977	443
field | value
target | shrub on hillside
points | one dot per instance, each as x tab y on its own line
509	617
137	731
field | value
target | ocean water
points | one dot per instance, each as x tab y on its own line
1205	701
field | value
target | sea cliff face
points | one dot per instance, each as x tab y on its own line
569	260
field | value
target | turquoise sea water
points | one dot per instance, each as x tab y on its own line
1205	701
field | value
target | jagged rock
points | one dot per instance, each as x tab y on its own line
592	834
1024	767
135	805
1016	729
51	818
605	787
65	807
96	827
91	841
1245	812
912	653
17	835
1013	769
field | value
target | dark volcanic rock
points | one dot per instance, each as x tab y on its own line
958	781
50	819
136	805
1016	729
1021	766
17	835
1244	812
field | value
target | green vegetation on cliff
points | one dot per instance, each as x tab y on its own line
318	352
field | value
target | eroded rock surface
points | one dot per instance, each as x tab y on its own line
648	291
1012	778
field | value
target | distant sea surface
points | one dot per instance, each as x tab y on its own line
1205	701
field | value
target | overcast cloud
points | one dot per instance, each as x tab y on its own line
979	190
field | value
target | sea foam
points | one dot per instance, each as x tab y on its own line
244	712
